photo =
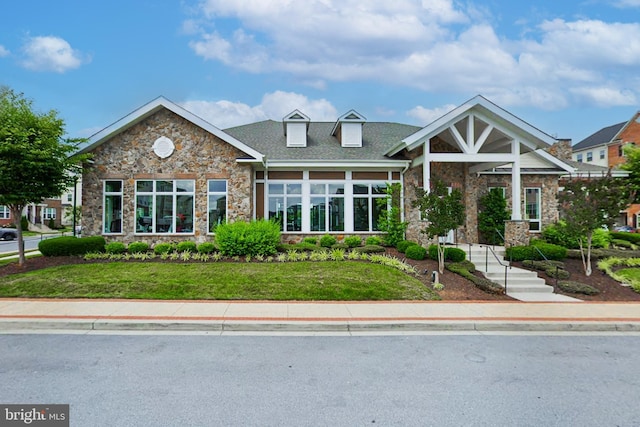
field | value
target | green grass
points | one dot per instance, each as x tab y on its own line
631	276
302	281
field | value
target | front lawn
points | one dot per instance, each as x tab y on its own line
302	281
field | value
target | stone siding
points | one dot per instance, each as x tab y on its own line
198	155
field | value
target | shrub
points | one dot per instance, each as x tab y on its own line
369	249
68	245
328	241
115	248
557	273
340	246
206	248
521	253
187	246
629	237
600	238
24	223
163	248
373	240
138	247
416	252
577	288
542	265
259	237
404	244
558	234
302	246
466	269
619	243
450	254
352	241
310	240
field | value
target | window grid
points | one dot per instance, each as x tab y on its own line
5	212
216	203
112	203
164	206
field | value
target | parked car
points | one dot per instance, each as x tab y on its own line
8	233
625	229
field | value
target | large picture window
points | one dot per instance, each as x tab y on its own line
164	206
366	209
532	207
217	192
112	217
285	205
327	207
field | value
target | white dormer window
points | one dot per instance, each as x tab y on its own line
348	129
296	125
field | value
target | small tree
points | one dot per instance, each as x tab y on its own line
632	165
35	161
389	220
492	216
590	204
443	212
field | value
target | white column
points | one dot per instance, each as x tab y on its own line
516	190
426	167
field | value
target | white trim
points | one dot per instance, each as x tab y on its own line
150	109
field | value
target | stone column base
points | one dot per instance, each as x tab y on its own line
516	233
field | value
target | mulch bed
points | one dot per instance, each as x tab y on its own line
456	288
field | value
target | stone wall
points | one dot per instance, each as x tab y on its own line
199	155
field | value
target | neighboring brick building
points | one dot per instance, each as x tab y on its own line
163	174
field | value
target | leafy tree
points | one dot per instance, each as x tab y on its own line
492	216
389	219
588	205
442	210
632	165
35	160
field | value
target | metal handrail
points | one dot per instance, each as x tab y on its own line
486	267
547	259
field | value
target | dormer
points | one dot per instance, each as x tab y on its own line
296	126
348	129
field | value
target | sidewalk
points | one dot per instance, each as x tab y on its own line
267	316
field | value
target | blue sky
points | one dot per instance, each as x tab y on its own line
568	67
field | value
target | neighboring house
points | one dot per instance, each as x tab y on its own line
5	216
606	148
163	174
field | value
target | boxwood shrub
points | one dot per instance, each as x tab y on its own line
450	254
186	246
629	237
206	248
416	252
115	248
404	244
68	245
138	247
163	248
373	240
369	249
577	288
328	241
521	253
352	241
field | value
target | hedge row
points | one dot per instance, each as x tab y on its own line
68	245
536	252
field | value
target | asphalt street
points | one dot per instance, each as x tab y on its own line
429	380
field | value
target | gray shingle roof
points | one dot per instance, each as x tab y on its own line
603	136
268	138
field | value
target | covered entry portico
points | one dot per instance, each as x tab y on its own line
479	145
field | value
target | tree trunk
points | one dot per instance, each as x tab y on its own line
440	257
16	212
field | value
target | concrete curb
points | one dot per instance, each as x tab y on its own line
312	327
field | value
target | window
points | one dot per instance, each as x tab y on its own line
217	207
164	206
589	156
579	158
366	209
49	213
532	208
112	216
5	213
326	210
285	205
601	154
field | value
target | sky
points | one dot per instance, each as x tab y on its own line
567	67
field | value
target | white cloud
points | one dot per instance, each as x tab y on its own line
430	45
274	106
3	51
627	3
51	53
424	116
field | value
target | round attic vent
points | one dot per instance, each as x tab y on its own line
163	147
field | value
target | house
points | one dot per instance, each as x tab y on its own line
606	148
163	174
